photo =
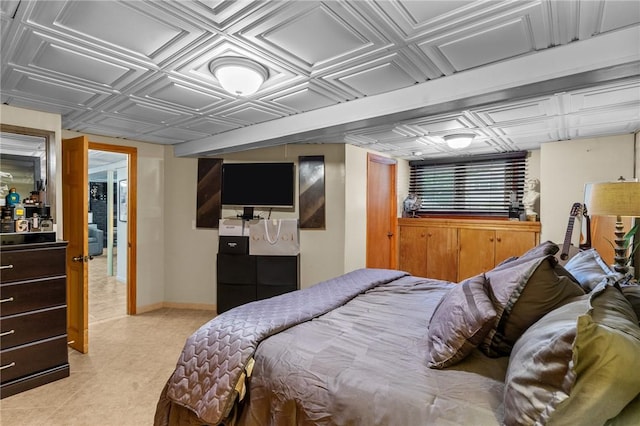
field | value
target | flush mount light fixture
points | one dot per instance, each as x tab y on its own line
238	76
459	140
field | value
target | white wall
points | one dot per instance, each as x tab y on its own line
566	166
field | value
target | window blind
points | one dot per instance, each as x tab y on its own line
480	185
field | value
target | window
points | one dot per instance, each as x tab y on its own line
482	185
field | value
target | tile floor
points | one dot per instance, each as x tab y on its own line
118	382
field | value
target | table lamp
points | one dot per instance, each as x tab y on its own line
621	198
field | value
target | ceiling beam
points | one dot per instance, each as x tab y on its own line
600	59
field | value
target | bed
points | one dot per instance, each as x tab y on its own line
529	342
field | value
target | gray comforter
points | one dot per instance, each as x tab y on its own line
350	360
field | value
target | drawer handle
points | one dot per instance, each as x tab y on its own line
9	299
8	366
6	333
6	267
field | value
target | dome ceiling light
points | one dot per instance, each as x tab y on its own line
459	140
238	76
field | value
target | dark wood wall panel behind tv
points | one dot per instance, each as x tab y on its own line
209	205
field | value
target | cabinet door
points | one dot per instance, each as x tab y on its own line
413	250
513	243
477	252
442	253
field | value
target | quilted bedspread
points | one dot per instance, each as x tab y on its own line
215	356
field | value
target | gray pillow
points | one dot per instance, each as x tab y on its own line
577	365
632	294
588	268
460	322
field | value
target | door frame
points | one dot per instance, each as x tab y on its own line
132	202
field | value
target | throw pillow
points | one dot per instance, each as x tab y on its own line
577	365
632	294
541	250
460	322
588	268
521	295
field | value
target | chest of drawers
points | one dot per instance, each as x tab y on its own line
33	316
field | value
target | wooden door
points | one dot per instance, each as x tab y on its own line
477	252
75	198
413	250
442	254
381	212
513	243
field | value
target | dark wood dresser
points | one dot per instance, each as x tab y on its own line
33	316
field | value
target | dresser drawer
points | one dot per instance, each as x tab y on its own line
33	357
236	269
27	296
20	265
25	328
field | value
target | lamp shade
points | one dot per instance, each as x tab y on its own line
614	199
238	76
459	140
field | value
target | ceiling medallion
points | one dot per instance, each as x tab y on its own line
238	76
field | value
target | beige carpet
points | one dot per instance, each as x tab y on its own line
118	382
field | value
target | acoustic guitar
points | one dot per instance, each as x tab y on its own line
569	249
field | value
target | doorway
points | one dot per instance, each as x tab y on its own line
75	198
107	237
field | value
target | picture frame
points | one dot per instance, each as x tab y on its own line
123	194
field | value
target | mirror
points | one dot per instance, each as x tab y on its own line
27	163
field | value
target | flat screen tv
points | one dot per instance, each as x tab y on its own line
258	184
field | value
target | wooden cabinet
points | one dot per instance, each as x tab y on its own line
33	319
429	252
455	249
483	249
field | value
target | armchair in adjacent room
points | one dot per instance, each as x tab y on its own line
96	240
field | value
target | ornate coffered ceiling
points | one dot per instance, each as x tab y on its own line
393	75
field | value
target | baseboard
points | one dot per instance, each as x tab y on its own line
176	305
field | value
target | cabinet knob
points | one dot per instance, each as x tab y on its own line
6	267
491	239
498	239
8	299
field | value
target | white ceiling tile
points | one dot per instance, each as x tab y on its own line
380	79
488	45
316	36
251	114
304	99
52	90
210	126
619	13
181	95
606	96
534	109
137	110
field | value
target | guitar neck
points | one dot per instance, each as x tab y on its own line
567	238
